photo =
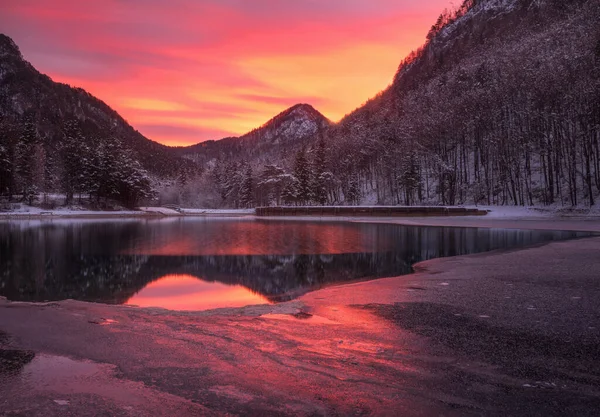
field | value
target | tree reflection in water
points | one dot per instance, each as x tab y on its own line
112	261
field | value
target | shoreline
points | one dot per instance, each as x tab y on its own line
109	215
495	333
420	216
558	223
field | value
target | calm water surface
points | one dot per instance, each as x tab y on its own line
197	264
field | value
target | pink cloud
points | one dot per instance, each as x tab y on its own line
221	61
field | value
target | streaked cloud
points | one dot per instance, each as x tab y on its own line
219	66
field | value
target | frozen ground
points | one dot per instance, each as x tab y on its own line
505	333
539	211
25	211
29	211
495	212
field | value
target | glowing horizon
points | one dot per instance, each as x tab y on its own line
187	71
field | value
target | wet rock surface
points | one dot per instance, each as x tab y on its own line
11	360
496	334
560	374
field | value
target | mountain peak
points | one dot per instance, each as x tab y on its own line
298	122
290	127
303	106
8	46
301	111
305	110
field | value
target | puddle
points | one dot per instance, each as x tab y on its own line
58	372
304	319
11	361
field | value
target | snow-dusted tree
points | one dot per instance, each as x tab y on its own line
26	161
233	180
218	177
270	186
302	174
289	194
319	188
6	161
247	189
5	168
353	194
74	153
410	179
134	184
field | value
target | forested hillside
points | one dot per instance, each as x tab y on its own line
501	106
59	139
246	171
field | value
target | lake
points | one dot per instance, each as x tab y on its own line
206	263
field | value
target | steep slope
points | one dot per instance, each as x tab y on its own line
24	92
286	131
500	106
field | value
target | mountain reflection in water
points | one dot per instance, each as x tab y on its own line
192	263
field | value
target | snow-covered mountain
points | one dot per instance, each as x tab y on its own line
25	93
501	105
288	130
294	124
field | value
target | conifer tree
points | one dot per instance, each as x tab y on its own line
74	175
6	162
25	161
353	191
302	174
272	182
247	189
289	194
319	177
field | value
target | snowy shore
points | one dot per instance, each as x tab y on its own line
494	213
28	212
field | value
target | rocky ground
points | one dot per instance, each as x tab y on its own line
512	333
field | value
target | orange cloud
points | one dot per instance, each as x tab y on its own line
219	67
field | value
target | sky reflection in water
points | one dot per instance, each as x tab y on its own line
186	292
198	264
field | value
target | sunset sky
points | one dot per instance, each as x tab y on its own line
185	71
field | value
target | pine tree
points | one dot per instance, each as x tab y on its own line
134	182
218	177
74	155
6	160
289	194
26	160
353	192
319	177
272	182
106	168
232	180
302	174
410	179
247	189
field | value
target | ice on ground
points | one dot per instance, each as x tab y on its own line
25	210
516	212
